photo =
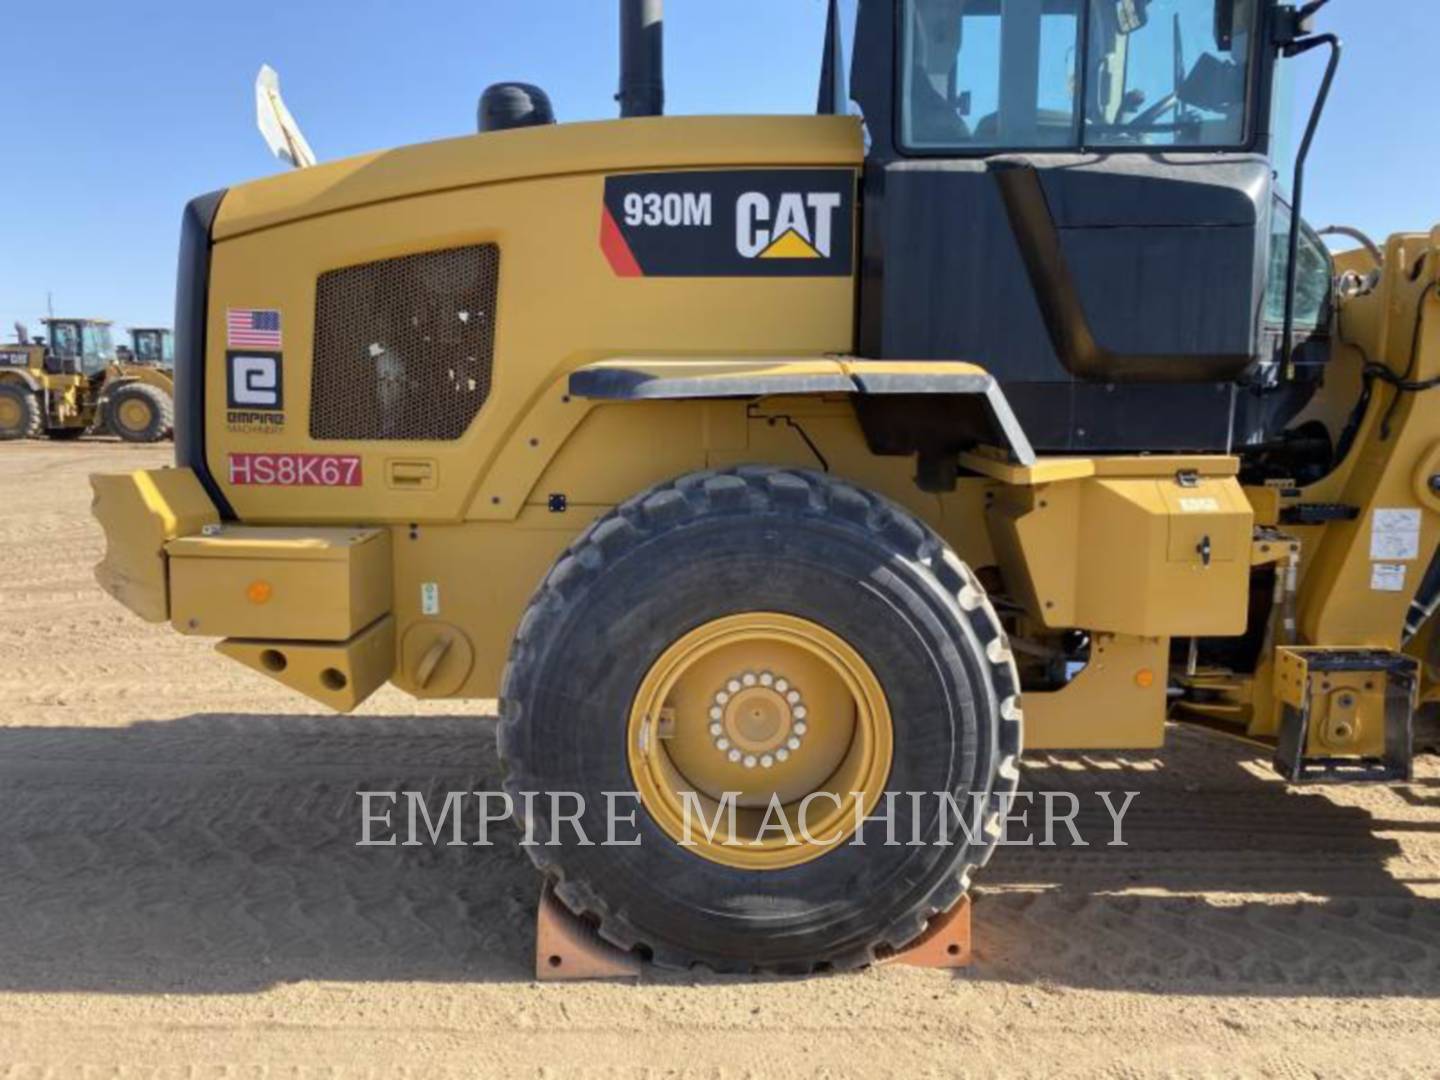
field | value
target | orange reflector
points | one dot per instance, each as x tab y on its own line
1144	678
258	592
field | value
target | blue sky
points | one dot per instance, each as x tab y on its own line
149	102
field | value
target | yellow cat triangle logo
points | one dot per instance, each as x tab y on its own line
790	245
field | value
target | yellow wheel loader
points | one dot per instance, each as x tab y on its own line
773	470
71	382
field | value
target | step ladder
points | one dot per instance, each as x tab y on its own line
1347	714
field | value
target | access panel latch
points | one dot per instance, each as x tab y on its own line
1347	715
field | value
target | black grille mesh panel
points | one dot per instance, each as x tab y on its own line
404	347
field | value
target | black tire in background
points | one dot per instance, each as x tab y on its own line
65	434
714	544
161	413
26	407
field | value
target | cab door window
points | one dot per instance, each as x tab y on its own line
97	349
990	74
1169	72
65	340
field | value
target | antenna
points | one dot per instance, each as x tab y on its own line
281	133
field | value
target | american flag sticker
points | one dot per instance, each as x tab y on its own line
253	328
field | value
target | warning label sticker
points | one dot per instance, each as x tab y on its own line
1395	535
1387	577
1200	506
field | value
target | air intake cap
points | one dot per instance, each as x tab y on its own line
514	105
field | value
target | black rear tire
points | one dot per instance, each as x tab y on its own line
761	539
26	407
65	434
161	413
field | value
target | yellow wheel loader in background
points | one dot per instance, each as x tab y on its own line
72	382
776	469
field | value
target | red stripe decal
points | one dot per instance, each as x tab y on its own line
616	247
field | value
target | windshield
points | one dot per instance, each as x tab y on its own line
1014	74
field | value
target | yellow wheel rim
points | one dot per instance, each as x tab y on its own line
134	415
10	413
773	714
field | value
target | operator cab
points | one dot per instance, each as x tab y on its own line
1082	197
79	347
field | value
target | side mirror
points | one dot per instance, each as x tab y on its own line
1131	15
1292	24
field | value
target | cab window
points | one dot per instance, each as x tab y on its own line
1169	72
992	75
99	349
65	340
988	75
1316	272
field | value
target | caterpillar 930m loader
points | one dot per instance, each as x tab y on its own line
75	382
790	461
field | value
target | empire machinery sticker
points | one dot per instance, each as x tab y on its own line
746	223
295	470
254	371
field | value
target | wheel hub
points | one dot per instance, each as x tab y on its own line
768	711
135	415
758	719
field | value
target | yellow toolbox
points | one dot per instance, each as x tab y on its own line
245	581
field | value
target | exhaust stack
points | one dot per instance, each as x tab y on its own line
642	58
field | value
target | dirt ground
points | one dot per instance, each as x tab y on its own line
180	894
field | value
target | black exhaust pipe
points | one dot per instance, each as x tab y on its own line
642	58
